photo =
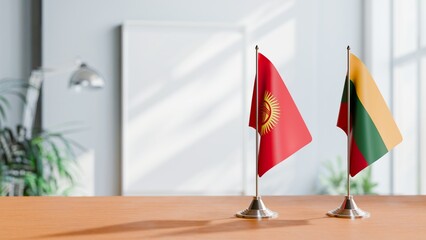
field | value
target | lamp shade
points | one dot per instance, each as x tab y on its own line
86	77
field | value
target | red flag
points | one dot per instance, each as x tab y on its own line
281	127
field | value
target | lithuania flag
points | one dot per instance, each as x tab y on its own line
373	131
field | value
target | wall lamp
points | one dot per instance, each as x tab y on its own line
82	77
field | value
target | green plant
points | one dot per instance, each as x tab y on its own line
35	166
40	164
333	181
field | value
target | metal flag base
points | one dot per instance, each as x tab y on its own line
257	209
349	209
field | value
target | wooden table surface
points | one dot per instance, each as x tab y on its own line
300	217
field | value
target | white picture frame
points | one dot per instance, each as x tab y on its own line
200	149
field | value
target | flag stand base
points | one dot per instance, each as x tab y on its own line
348	209
257	209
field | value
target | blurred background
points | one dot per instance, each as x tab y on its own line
172	117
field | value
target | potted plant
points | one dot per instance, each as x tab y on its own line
333	180
41	164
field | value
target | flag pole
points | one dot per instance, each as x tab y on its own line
348	82
257	208
257	121
348	209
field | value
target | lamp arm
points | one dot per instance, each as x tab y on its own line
31	100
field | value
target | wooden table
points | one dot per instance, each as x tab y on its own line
301	217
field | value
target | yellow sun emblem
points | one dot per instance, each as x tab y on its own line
270	113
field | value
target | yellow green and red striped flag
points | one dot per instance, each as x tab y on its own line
373	132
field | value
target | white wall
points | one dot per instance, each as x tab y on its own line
306	40
15	48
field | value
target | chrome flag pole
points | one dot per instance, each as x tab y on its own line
257	208
348	209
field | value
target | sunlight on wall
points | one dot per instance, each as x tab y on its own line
265	13
197	57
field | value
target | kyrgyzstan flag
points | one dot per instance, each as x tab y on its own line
281	127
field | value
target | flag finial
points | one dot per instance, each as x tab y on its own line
257	47
349	48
